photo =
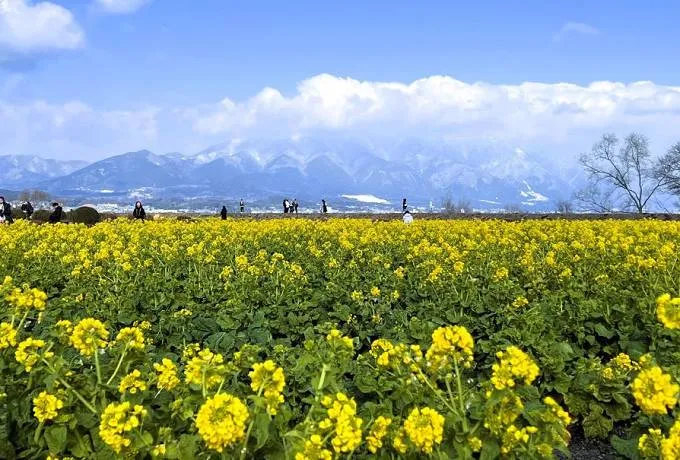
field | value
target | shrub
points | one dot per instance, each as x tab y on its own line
84	215
41	215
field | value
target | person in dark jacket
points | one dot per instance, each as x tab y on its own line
223	213
27	209
57	213
294	206
404	206
242	206
6	210
324	208
139	212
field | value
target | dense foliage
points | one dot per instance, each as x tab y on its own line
321	339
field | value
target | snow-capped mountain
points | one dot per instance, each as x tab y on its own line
25	171
488	174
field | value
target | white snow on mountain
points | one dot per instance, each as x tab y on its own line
532	195
366	199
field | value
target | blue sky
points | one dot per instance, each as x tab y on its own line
126	67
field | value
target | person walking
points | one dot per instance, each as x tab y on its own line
286	206
139	213
242	206
27	209
57	213
223	213
404	206
324	207
5	210
295	205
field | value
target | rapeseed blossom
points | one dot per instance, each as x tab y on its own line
28	353
514	365
343	422
424	428
132	383
314	450
46	406
88	336
377	433
131	338
117	421
221	421
206	368
654	391
452	343
8	336
166	378
670	446
269	379
668	311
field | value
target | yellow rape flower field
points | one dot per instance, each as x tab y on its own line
327	339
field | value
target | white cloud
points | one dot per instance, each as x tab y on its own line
575	28
529	113
557	120
26	26
121	6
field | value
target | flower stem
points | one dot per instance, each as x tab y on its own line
460	395
96	364
244	450
120	361
66	384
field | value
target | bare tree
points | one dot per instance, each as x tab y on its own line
623	177
34	196
668	170
512	208
462	206
594	198
564	207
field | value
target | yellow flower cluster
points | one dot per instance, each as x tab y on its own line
393	356
8	336
424	428
132	383
166	378
670	446
88	336
131	338
450	344
117	421
520	302
650	443
557	410
269	379
314	450
343	421
46	406
619	366
503	413
668	311
26	299
377	433
654	391
221	421
28	353
337	340
206	368
514	437
65	327
513	365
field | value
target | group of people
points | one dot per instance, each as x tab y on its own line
241	208
27	208
290	207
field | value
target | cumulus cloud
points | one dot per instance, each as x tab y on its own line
27	27
557	120
121	6
529	113
575	28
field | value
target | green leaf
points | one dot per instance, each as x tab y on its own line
55	436
188	446
602	331
595	425
490	451
261	429
625	447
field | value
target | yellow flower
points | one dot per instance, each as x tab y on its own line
668	311
8	336
375	292
650	442
221	421
46	406
158	450
65	327
425	428
500	274
205	368
28	353
519	302
557	410
475	444
342	418
514	365
377	433
167	375
398	443
88	336
450	343
117	421
314	450
514	436
357	296
132	383
654	391
337	340
131	337
670	447
25	299
268	378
